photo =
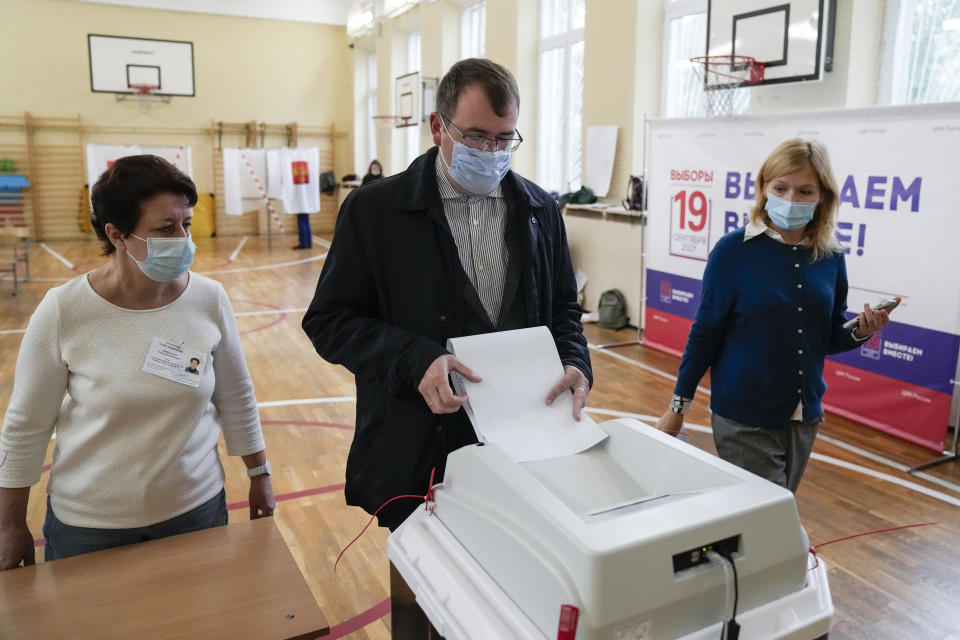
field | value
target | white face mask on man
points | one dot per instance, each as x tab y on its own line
479	172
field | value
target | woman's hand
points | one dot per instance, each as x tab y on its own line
16	546
16	542
261	499
870	321
670	423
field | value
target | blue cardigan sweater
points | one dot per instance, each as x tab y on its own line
768	316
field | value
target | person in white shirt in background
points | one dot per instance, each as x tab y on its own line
136	450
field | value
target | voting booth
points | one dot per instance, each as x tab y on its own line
635	536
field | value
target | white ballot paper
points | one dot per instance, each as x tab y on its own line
509	408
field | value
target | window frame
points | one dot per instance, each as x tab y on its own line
673	10
565	40
894	82
371	103
471	11
412	133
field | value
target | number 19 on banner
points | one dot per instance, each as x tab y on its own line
690	225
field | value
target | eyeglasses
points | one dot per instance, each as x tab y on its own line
483	143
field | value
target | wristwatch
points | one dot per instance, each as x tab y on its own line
680	405
263	469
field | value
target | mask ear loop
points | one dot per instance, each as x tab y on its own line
446	165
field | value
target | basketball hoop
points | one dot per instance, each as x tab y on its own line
144	94
385	123
722	76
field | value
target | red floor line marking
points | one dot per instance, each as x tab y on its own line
359	621
291	496
269	324
266	326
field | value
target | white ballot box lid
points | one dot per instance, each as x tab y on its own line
613	532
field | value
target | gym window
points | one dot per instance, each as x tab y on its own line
560	107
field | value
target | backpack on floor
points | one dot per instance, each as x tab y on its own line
612	310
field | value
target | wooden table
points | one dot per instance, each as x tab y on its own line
238	581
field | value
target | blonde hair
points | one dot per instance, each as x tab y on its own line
793	155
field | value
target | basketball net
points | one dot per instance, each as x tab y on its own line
143	95
721	76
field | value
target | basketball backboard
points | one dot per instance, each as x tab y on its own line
787	36
120	65
407	99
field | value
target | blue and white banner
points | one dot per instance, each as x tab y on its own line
898	171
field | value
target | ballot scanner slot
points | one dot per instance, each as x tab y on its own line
624	474
700	555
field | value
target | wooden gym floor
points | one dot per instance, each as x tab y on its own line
896	585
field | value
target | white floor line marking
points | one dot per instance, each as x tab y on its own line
268	312
817	456
56	255
645	367
839	443
887	478
4	332
321	241
893	464
266	266
288	403
233	256
205	273
643	418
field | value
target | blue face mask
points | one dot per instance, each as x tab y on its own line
167	258
788	215
479	172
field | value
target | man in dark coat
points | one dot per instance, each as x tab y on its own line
455	245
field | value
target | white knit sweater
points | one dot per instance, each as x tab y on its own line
133	448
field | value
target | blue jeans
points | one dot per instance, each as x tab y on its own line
64	540
303	229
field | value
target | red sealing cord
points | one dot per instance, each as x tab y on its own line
428	505
814	548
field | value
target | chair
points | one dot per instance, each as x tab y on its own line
14	249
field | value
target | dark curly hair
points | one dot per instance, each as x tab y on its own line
127	184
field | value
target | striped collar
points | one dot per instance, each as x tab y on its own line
449	192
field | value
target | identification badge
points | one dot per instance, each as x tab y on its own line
174	362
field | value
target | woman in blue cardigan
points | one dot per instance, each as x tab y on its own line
773	303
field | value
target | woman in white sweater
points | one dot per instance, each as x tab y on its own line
105	361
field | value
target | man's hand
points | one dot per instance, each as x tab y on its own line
435	386
573	379
260	497
16	546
